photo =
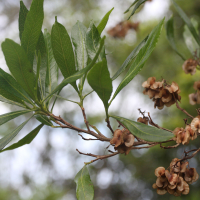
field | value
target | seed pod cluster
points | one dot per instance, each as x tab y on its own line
189	66
177	180
194	98
161	93
185	135
123	141
122	28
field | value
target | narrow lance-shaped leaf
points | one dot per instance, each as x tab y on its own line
100	81
140	2
9	116
141	58
143	131
32	28
41	49
44	119
131	6
93	41
25	140
187	21
6	139
3	99
189	39
130	58
79	39
63	51
78	74
23	11
170	36
19	65
52	67
84	186
10	89
103	22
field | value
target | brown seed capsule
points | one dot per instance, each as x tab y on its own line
197	85
189	66
186	189
191	175
175	166
172	178
123	149
182	136
161	191
195	124
193	134
117	138
160	171
143	120
162	182
194	98
150	81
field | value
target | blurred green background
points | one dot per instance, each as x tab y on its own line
45	169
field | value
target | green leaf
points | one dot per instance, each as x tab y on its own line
189	39
78	74
187	21
100	81
44	120
92	41
25	140
41	49
143	131
6	139
131	6
78	38
52	67
170	36
140	2
8	116
3	99
130	58
63	51
84	186
104	21
10	89
23	11
32	28
141	57
19	65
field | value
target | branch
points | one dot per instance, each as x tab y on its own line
98	157
65	124
109	126
88	138
85	119
183	110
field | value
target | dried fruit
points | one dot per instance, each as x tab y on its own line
161	93
189	66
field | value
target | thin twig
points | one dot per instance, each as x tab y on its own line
183	110
98	157
88	138
169	147
156	125
85	119
109	126
144	147
65	124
